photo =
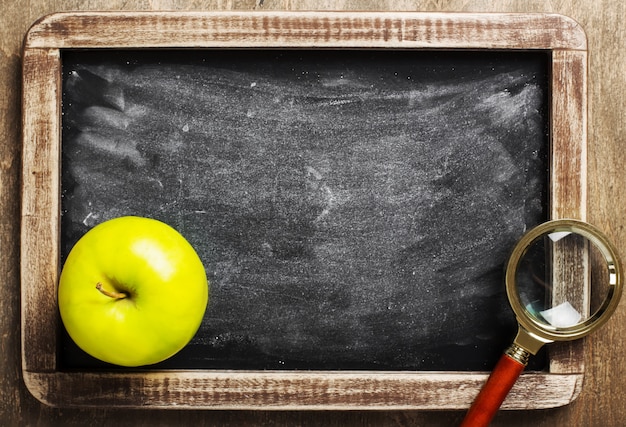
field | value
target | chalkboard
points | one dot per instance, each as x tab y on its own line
353	208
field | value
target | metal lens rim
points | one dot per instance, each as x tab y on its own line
597	319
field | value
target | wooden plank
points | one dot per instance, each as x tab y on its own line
40	207
302	29
569	134
569	168
293	390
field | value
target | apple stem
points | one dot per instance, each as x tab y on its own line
116	295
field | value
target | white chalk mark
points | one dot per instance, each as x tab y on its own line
89	215
120	148
341	101
327	194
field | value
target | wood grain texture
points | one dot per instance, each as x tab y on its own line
600	401
321	29
296	390
41	204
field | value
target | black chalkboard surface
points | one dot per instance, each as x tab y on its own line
353	209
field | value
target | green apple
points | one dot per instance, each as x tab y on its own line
132	291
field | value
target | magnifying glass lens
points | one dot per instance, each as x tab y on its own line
563	280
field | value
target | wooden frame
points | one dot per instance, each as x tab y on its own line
292	390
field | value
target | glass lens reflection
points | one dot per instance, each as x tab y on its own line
562	279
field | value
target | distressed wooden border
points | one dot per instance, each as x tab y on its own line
294	390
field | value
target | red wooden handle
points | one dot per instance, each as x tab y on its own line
493	392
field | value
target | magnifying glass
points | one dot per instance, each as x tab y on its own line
563	281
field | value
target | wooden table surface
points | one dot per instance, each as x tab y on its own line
601	401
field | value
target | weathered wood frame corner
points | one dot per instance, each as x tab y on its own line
294	390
